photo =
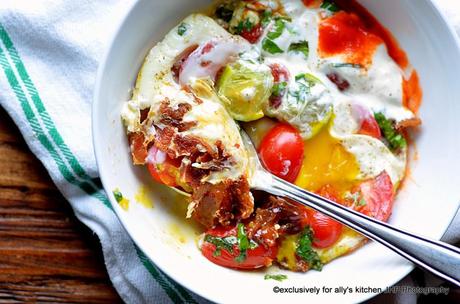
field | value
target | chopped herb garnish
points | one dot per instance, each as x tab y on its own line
277	277
304	84
182	29
395	140
266	18
243	243
330	5
277	30
221	243
305	251
361	203
356	198
244	26
271	47
228	243
279	88
309	78
300	47
224	13
122	201
118	196
347	65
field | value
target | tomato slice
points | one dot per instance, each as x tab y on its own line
370	127
162	168
254	34
281	152
378	197
367	123
326	231
258	257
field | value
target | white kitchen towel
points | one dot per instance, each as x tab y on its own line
49	54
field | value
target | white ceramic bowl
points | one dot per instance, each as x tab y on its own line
425	205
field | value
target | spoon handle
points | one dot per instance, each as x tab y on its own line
437	257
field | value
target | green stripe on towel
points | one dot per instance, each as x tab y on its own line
86	184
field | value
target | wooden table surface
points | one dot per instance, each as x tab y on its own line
46	254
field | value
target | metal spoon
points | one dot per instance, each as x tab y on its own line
437	257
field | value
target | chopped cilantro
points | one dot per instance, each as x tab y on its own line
277	277
122	201
228	243
182	29
309	78
118	196
266	17
277	30
306	252
362	202
243	243
279	88
224	13
243	26
300	47
347	65
221	243
271	47
330	5
395	140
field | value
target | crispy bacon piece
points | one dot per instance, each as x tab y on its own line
276	217
222	203
408	123
213	204
341	83
138	147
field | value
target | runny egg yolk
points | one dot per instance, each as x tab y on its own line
326	162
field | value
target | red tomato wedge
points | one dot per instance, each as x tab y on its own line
378	197
370	127
162	168
255	258
281	152
365	118
254	34
326	231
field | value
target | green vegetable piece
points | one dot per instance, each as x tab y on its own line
221	243
300	47
276	277
309	78
243	243
182	29
266	18
395	140
279	88
244	88
277	30
271	47
362	202
243	26
305	251
118	196
330	5
347	65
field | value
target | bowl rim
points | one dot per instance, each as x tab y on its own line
434	7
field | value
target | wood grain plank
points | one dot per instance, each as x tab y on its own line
46	255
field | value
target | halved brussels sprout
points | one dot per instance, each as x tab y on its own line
244	87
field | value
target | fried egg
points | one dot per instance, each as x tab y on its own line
156	83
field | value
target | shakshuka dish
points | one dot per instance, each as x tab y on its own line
324	92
